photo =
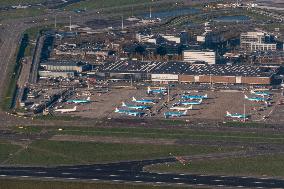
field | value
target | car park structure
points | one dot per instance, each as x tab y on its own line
188	73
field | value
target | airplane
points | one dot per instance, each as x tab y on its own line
236	115
256	99
260	93
136	107
79	101
143	101
185	103
66	110
180	108
194	96
175	114
160	90
129	112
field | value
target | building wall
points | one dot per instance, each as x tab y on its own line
225	79
56	74
252	41
256	80
164	77
186	78
63	68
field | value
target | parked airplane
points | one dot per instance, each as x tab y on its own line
159	90
181	108
236	115
175	114
185	103
129	112
66	110
136	107
79	101
260	93
143	101
194	96
256	99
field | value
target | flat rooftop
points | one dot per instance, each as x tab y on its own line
62	63
182	68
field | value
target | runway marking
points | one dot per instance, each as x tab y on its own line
220	185
71	178
159	182
95	179
217	180
24	176
138	181
66	173
258	182
48	177
182	174
176	178
116	180
121	170
3	175
200	184
41	172
137	176
180	183
113	175
223	176
240	186
98	169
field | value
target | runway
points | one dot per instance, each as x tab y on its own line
132	172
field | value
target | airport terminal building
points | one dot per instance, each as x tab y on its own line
187	73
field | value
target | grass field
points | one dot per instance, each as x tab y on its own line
6	149
266	165
20	13
176	133
45	152
28	184
17	2
13	75
89	4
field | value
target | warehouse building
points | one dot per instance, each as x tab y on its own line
52	74
192	56
188	73
65	66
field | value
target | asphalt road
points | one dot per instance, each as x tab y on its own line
132	172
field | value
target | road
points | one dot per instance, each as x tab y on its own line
132	172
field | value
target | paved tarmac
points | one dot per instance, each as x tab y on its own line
132	172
